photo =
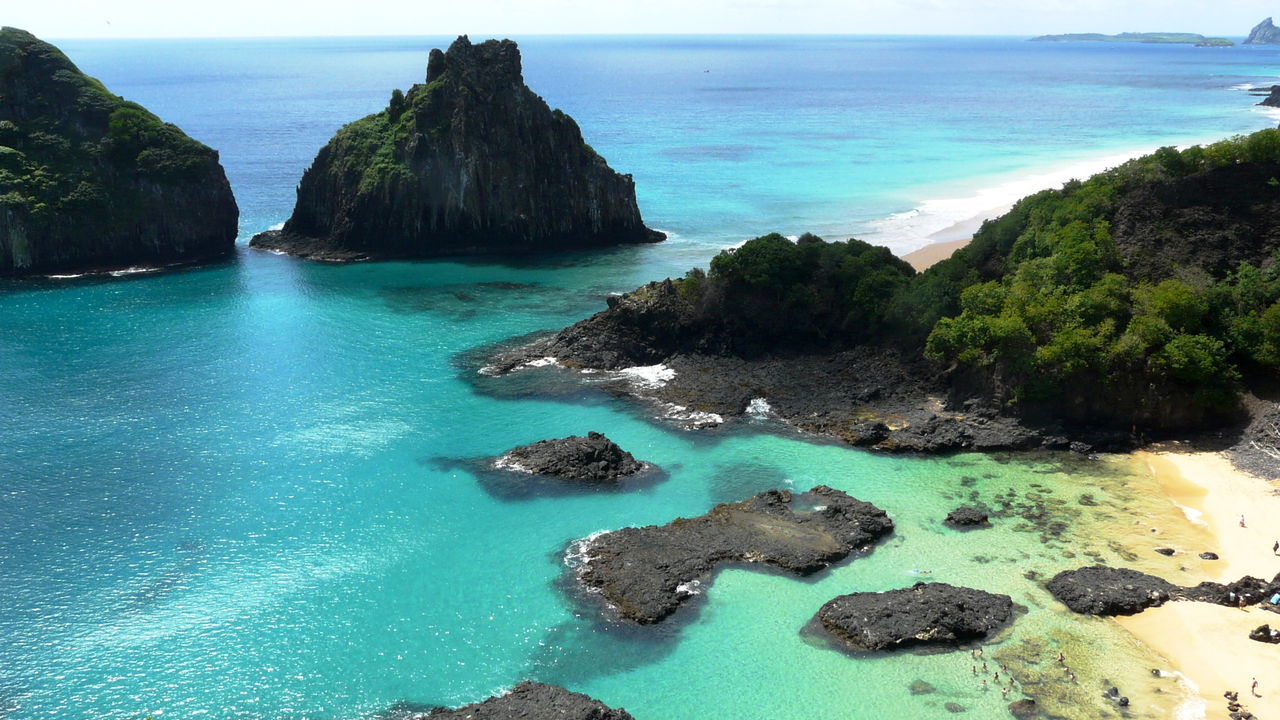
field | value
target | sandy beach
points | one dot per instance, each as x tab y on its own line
1210	644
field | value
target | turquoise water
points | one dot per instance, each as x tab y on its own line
235	491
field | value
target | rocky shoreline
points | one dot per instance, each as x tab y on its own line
645	574
1106	591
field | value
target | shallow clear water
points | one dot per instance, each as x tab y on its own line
236	491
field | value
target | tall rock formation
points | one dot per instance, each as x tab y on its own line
89	181
470	162
1264	33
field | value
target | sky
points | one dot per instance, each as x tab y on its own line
244	18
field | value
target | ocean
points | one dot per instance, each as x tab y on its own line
249	491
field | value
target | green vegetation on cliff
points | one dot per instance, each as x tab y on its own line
87	178
1143	295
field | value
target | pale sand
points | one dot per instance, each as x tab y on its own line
933	254
1210	644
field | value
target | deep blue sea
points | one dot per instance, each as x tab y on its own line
243	491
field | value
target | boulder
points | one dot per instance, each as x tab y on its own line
91	182
926	614
646	573
468	162
967	517
1024	709
527	701
1264	633
593	459
1100	590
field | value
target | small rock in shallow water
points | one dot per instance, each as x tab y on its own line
1167	552
967	517
1208	556
528	701
1024	709
594	458
955	707
920	687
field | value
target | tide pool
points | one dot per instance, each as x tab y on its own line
235	491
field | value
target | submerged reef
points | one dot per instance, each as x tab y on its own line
468	162
90	181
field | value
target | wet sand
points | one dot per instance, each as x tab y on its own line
1210	644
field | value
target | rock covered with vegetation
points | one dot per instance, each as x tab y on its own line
1151	38
1264	33
646	573
469	162
1141	302
924	615
528	701
89	181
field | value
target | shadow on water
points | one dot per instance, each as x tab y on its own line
463	301
511	486
732	482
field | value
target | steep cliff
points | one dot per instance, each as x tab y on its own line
1264	33
470	162
90	181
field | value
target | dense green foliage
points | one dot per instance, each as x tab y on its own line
74	136
1041	303
801	293
1042	299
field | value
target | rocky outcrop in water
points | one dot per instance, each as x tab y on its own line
1264	33
646	573
1107	591
469	162
526	701
968	517
90	181
592	459
926	614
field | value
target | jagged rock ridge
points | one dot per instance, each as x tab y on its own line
89	181
1264	33
469	162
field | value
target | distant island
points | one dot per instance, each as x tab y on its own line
1156	38
1264	33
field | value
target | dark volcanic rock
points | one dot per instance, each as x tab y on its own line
1272	98
1100	590
1208	556
470	162
1264	33
89	181
1167	552
594	458
1108	591
926	614
967	517
1024	709
1264	633
528	701
648	572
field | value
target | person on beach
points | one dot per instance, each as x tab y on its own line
1242	521
1275	549
1253	689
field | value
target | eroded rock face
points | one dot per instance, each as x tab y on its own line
594	459
527	701
926	614
469	162
967	517
646	573
89	181
1264	33
1100	590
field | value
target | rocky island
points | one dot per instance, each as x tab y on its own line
91	182
646	573
469	162
1139	304
1149	38
591	459
924	615
528	701
1264	33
